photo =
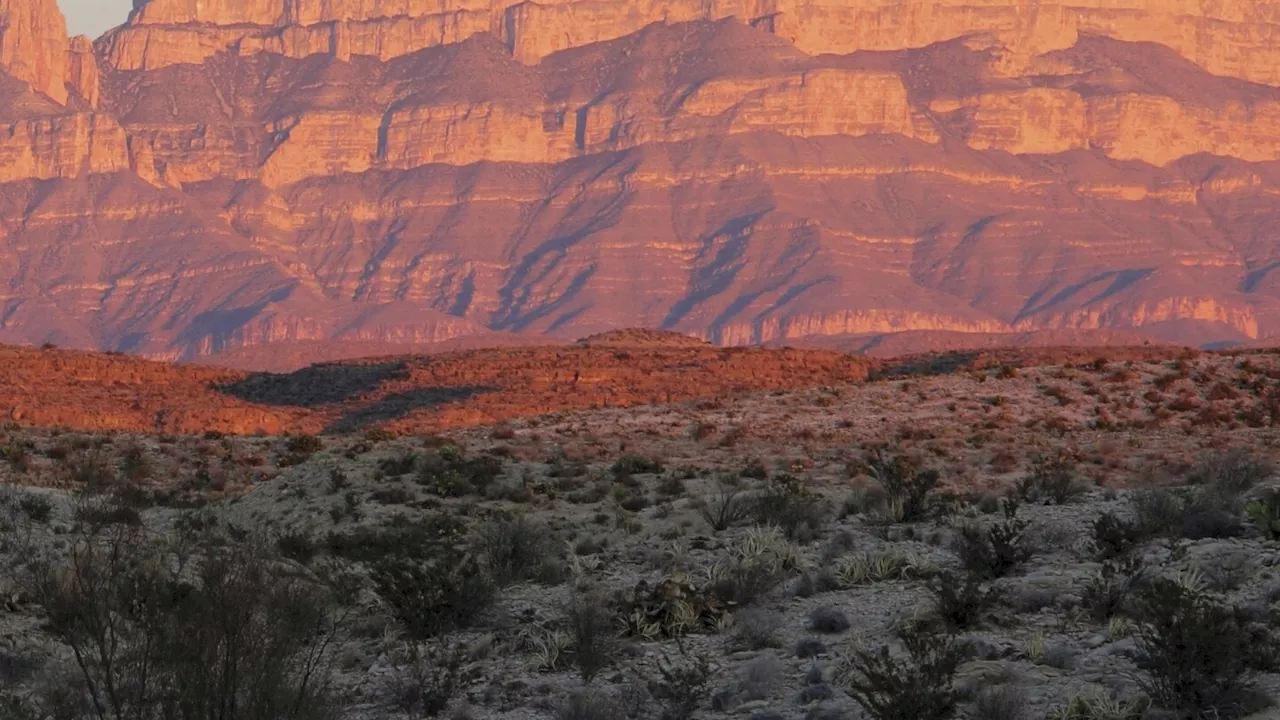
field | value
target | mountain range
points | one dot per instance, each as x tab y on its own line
239	178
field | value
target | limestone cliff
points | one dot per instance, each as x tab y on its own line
224	174
34	46
1226	38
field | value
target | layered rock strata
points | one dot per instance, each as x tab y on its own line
220	174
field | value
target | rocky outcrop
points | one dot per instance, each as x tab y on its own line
35	49
1232	38
83	75
1128	126
240	174
34	46
61	146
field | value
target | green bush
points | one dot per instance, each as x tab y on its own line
917	686
515	550
592	634
727	507
1106	595
297	546
962	602
1114	537
1197	657
443	592
1053	480
304	445
448	472
997	550
1232	472
145	636
635	465
906	486
787	504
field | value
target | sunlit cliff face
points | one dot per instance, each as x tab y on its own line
217	174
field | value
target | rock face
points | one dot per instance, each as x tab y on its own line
34	46
1235	39
221	174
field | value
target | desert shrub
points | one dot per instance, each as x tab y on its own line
1003	702
304	445
671	487
755	629
725	508
97	511
1053	480
996	550
424	571
917	686
92	470
377	435
516	549
1232	472
414	539
827	619
787	504
17	455
134	464
1228	570
144	635
444	591
1197	657
398	465
448	472
810	648
816	692
1106	595
962	602
1099	707
37	508
424	679
1194	513
393	495
1211	514
297	546
628	465
592	637
588	705
1159	512
761	677
681	685
1264	513
906	486
1114	537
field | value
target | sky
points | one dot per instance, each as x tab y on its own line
93	17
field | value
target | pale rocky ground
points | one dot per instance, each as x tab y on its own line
1037	640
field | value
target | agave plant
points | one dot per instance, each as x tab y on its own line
864	568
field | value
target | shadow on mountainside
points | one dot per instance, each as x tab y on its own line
315	386
399	405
